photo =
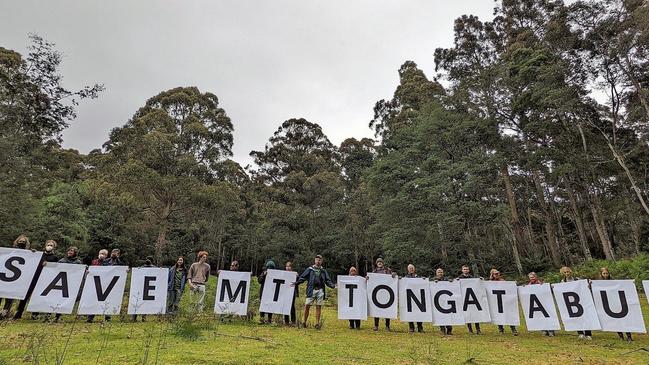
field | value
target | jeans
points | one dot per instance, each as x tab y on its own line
173	301
376	323
411	327
198	296
292	316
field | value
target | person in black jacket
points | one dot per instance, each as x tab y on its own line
291	319
270	264
412	273
71	257
466	274
439	276
48	256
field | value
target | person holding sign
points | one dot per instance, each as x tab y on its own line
199	273
48	256
494	275
72	257
381	269
412	273
354	323
566	276
99	261
270	265
439	276
534	279
176	284
317	278
604	274
466	274
21	242
291	319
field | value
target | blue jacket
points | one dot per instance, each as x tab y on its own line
309	276
171	277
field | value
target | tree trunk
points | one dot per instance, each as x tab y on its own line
550	233
600	226
517	257
517	227
161	242
579	223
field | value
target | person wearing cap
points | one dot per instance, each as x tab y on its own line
380	268
270	264
317	278
197	276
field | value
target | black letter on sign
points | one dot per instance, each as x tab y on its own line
241	288
375	300
470	298
607	307
410	297
102	295
11	267
536	306
148	288
572	304
63	287
277	282
351	288
499	297
450	309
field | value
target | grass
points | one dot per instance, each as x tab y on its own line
204	339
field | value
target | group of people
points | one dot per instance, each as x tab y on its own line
316	277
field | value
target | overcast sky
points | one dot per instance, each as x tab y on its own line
267	61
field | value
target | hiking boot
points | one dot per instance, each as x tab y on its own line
376	328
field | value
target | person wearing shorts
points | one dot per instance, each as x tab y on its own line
317	278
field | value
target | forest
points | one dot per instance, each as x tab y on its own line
527	150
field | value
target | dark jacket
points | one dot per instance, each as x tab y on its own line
70	260
309	275
172	277
462	276
49	257
261	279
112	262
443	278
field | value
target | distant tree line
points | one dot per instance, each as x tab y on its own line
527	150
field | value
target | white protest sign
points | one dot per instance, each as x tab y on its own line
57	288
232	293
415	304
618	306
17	269
103	290
382	291
538	307
475	306
576	306
447	300
503	302
277	296
645	286
352	297
148	290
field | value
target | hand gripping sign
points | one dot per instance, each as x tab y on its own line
232	293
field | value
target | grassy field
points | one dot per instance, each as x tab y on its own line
208	340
